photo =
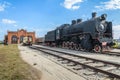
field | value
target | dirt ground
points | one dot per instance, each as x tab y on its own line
49	69
12	67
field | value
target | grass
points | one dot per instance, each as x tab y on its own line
12	67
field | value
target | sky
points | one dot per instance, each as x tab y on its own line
45	15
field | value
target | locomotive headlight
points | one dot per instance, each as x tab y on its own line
100	28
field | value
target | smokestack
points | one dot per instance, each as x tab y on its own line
79	20
73	22
94	15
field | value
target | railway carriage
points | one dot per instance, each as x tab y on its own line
50	38
27	41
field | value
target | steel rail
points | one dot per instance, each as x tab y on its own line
87	58
112	53
112	75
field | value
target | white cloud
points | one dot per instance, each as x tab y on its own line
4	5
71	4
116	31
8	21
75	7
109	5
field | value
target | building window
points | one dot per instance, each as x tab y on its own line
14	39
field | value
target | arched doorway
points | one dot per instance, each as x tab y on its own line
14	39
21	39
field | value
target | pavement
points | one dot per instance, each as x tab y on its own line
50	70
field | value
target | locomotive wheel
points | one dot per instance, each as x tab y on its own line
63	44
53	44
79	46
72	45
97	48
76	46
68	45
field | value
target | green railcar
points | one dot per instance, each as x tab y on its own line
117	44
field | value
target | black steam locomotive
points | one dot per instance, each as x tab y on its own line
94	34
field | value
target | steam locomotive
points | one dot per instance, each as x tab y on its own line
93	34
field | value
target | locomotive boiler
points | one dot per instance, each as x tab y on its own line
93	34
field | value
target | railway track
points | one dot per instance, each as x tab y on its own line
109	53
109	69
112	53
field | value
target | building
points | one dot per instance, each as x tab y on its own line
16	37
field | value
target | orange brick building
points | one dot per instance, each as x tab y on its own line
16	37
